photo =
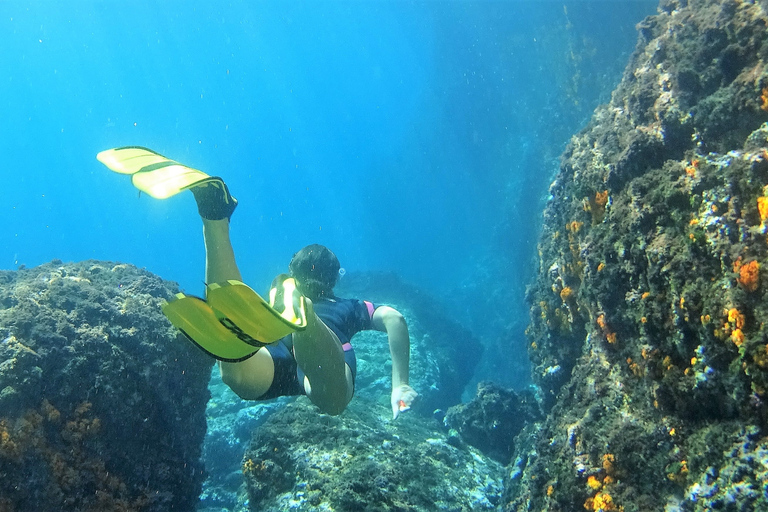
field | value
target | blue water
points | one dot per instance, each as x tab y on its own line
414	137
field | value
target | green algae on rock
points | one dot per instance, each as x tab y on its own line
102	402
646	330
361	460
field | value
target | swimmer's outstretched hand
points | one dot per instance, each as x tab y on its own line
402	398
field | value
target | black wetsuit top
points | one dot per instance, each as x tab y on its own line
345	317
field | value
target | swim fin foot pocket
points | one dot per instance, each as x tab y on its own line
161	177
234	322
214	202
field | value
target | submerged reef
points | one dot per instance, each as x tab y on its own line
102	403
300	459
647	330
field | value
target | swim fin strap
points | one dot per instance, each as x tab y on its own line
151	172
234	322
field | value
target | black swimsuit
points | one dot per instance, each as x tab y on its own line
345	317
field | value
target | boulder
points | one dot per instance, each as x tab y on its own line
300	459
102	401
493	418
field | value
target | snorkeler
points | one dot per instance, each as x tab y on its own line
299	341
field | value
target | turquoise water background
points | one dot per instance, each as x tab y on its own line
413	137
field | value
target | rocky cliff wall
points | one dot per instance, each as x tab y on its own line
647	329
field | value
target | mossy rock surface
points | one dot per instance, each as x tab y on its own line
361	460
102	403
647	332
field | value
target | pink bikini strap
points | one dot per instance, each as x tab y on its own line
370	307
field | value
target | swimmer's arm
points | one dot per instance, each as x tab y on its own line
389	320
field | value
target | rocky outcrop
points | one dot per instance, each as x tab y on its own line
646	333
493	418
102	403
300	459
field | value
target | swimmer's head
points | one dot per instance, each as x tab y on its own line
316	270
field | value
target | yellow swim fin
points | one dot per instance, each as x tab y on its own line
235	321
151	172
238	302
199	323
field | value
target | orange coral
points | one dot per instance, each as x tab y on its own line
593	483
736	318
749	276
601	321
764	99
574	226
566	293
635	368
601	502
691	168
762	207
72	467
737	337
596	206
610	336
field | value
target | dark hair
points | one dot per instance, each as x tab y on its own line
316	270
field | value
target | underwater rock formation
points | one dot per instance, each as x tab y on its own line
102	402
231	423
493	418
444	354
443	358
300	459
647	333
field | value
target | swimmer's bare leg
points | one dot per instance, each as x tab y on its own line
328	380
251	378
